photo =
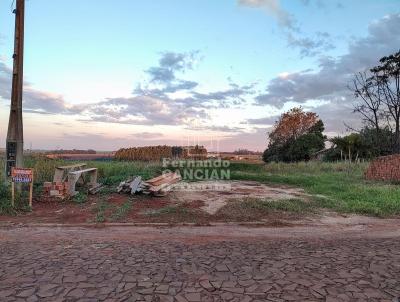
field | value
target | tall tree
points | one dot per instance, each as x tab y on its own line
388	80
379	95
292	124
366	89
296	136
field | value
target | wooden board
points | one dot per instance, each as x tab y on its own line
165	178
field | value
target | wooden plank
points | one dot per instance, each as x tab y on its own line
158	178
61	173
96	189
83	171
161	179
164	185
71	166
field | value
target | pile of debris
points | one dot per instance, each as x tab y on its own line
132	185
159	186
66	179
56	189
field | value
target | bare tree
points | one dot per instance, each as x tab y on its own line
379	95
388	80
370	107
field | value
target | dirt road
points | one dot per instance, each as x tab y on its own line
326	262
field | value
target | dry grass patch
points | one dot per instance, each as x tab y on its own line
253	209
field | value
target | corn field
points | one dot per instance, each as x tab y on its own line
159	152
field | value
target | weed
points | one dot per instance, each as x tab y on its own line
122	211
168	210
80	198
5	200
249	209
101	211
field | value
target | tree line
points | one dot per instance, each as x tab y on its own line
298	135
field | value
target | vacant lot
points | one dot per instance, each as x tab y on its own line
273	193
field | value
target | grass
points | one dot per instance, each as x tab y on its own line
109	172
80	198
101	209
168	210
337	186
5	200
122	211
250	209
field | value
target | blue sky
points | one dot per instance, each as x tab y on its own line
241	63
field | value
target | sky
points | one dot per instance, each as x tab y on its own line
106	74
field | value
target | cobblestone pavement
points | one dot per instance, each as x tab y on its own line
70	267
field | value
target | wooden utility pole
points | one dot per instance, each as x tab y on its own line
15	134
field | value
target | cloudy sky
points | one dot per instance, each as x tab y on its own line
105	74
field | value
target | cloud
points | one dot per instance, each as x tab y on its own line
150	105
270	120
274	8
154	107
311	46
170	88
322	4
337	115
235	95
147	135
34	101
256	140
44	102
101	136
143	110
169	64
226	129
5	80
163	77
330	81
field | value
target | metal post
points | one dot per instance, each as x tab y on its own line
15	135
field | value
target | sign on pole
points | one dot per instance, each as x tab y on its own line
21	175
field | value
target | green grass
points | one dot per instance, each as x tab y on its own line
298	206
101	209
80	198
342	185
5	199
122	211
109	172
337	186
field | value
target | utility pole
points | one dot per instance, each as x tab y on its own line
15	134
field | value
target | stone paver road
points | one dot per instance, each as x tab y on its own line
92	265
